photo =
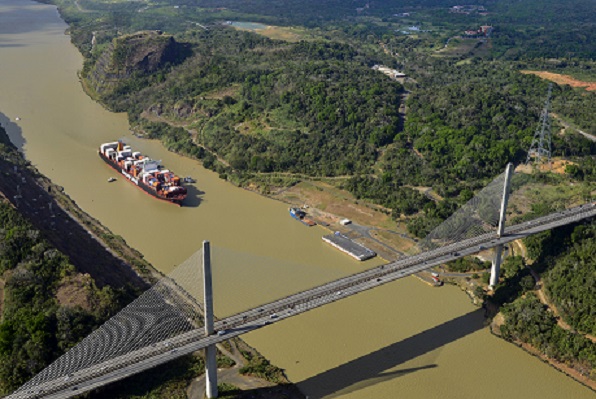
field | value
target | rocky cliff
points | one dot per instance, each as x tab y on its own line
134	55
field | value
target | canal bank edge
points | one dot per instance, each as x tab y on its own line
35	185
494	328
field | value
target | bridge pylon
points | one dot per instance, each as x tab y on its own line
210	350
496	263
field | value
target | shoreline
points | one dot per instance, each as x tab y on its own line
248	188
494	328
53	221
532	351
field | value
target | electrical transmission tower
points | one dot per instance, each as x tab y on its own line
540	149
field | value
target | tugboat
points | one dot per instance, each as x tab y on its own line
146	173
300	216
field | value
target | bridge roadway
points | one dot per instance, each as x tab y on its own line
165	351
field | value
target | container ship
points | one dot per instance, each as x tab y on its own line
144	172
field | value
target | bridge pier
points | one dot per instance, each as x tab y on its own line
495	268
210	350
496	264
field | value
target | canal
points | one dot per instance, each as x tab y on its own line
404	339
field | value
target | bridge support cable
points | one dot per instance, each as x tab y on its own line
478	216
210	350
186	275
162	313
496	263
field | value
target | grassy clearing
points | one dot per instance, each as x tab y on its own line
285	33
393	240
458	47
231	91
562	195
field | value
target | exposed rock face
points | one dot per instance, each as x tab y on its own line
137	54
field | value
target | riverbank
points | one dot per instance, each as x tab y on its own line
275	255
499	320
106	257
93	248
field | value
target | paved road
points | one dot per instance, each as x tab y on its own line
146	358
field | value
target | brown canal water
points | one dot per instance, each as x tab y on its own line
404	339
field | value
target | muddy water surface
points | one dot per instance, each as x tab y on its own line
401	340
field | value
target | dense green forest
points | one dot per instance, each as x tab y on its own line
317	108
312	108
565	258
251	107
36	328
528	320
571	281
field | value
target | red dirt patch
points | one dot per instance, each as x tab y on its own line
562	79
558	166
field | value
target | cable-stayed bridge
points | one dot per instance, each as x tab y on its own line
166	322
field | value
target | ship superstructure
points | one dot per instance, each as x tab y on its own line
146	173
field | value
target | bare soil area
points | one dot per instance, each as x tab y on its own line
558	166
562	79
76	291
394	240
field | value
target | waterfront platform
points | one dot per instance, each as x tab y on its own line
348	246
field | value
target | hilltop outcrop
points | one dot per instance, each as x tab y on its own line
135	55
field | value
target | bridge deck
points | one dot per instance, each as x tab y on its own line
146	358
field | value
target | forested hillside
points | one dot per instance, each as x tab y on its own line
251	107
39	319
254	109
313	108
566	257
317	108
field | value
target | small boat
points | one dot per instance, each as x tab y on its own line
189	179
111	179
300	216
17	119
